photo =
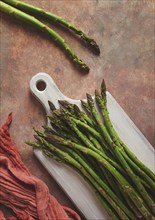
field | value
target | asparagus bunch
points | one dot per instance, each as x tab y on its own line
20	10
89	143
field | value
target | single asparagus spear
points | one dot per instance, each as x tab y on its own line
44	28
57	19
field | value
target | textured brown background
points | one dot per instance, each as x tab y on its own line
124	31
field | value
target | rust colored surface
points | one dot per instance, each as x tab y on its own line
124	32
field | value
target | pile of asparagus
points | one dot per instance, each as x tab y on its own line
87	141
19	10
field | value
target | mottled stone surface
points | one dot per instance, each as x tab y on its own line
124	31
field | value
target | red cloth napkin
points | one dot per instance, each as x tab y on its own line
24	193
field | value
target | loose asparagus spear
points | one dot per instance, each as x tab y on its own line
44	28
57	19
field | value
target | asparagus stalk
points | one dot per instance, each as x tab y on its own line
44	28
57	19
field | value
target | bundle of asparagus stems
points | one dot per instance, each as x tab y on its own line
19	10
89	143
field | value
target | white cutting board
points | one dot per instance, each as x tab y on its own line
70	181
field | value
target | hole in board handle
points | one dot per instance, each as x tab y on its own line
41	85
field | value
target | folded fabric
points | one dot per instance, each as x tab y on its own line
24	193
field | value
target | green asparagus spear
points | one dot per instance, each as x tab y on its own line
57	19
44	28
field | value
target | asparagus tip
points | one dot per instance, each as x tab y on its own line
89	97
103	86
91	43
97	93
51	105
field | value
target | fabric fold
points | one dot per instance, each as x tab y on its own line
25	194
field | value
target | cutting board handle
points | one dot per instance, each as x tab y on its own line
49	92
49	89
